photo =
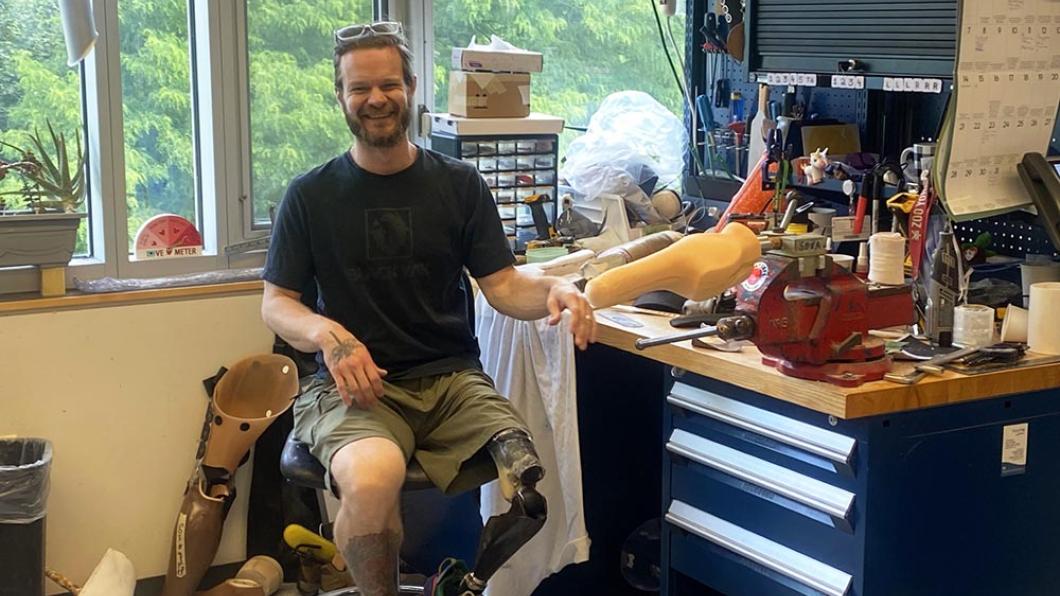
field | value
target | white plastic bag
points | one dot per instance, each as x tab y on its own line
631	133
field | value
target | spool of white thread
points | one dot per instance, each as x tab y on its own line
1043	328
887	258
973	325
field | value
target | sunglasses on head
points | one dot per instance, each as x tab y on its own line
352	33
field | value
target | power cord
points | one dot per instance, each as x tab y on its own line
684	94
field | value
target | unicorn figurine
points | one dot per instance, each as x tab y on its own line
814	172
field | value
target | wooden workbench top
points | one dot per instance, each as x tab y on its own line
744	369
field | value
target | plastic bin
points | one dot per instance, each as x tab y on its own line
25	466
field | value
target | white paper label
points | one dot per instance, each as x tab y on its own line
912	84
848	82
1014	448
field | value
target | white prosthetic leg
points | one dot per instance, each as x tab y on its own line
248	397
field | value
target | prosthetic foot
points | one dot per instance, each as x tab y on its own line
246	400
519	470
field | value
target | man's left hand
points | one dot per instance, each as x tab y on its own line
564	296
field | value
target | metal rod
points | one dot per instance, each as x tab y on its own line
647	342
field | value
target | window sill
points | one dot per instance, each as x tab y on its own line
26	303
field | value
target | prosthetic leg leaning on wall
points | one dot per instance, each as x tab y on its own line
246	399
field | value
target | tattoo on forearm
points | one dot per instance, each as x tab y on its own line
345	348
372	560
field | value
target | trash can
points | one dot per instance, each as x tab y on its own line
25	465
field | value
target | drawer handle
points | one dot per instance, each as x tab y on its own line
771	555
811	492
827	444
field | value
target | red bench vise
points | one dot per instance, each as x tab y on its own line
810	317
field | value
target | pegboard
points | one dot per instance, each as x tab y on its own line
847	105
887	122
1011	236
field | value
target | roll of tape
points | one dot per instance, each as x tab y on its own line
887	258
973	325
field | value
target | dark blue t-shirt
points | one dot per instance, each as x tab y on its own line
388	255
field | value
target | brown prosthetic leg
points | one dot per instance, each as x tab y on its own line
519	470
248	397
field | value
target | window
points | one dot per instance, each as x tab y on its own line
591	48
37	88
157	102
295	121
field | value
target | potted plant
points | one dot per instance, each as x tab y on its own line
41	229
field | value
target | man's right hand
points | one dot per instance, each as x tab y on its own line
356	375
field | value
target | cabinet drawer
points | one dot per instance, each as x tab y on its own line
708	544
824	449
781	503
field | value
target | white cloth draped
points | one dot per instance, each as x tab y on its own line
532	364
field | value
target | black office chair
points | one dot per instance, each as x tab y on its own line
301	468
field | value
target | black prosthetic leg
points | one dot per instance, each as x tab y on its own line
520	470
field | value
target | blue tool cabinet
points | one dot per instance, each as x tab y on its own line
765	497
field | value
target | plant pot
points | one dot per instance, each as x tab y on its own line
45	239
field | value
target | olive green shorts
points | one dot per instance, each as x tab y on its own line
444	421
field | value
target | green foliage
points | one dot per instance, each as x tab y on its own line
591	48
296	122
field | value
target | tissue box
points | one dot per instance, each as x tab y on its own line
488	60
489	94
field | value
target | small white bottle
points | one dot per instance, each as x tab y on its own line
862	266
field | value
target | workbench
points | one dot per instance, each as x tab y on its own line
776	485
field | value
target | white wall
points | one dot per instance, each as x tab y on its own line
118	391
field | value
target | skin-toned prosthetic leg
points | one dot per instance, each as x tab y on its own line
696	267
519	470
249	396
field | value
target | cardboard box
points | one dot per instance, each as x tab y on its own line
446	123
489	94
489	60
